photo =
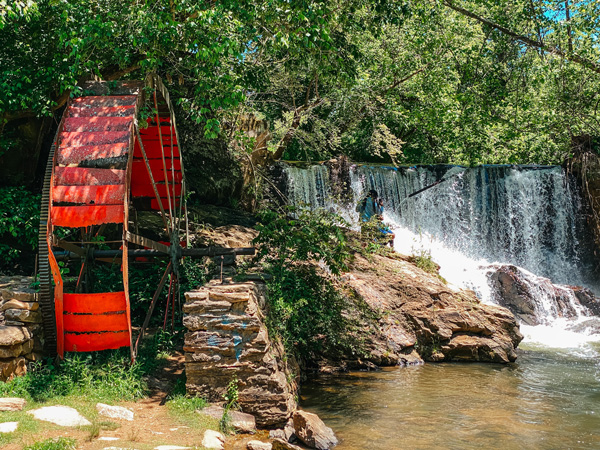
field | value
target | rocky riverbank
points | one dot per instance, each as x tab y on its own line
410	316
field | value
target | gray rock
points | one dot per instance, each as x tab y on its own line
258	445
280	444
23	294
64	416
10	335
242	422
311	430
286	433
114	412
213	440
12	404
8	427
22	315
16	350
18	304
12	367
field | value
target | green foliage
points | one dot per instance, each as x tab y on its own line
183	403
19	222
194	273
60	443
384	81
105	376
305	309
424	261
310	235
231	397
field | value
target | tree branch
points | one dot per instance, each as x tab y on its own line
287	138
573	57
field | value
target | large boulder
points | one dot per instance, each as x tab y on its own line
311	430
280	444
407	314
533	300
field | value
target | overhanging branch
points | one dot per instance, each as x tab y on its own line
570	56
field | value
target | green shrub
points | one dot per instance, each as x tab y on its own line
423	260
60	443
305	309
183	403
231	397
19	223
107	376
310	235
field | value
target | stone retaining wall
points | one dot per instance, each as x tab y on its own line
227	338
21	333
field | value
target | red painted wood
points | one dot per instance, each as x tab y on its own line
97	303
75	139
91	342
110	194
95	322
105	100
92	124
153	150
146	190
80	176
140	172
111	111
75	155
84	216
58	301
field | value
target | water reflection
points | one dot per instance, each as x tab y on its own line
548	400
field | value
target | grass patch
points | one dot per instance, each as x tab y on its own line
107	376
54	444
27	426
181	403
184	407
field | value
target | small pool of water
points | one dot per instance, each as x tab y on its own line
548	399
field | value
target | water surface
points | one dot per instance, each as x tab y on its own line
548	399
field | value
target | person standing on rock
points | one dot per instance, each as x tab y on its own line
370	209
368	206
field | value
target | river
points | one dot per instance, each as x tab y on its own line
548	399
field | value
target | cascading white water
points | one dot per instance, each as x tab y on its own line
525	216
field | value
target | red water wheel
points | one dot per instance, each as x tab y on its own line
104	167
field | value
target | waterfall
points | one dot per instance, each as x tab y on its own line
526	216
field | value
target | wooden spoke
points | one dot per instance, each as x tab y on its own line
155	298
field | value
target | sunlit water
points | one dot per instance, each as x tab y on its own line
548	399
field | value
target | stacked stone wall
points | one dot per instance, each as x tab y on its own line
227	338
21	336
